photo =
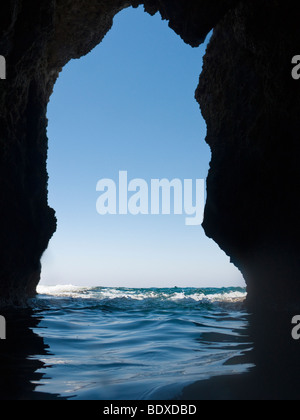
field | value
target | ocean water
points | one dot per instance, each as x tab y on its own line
134	344
79	343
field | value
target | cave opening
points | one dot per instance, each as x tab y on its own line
129	105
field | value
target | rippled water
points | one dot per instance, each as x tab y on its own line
147	344
106	343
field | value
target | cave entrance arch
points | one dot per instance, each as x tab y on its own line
145	127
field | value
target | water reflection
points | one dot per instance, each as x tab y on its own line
260	359
19	364
273	360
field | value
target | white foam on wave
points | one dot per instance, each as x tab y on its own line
67	290
222	297
216	297
73	291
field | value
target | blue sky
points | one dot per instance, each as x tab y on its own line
129	106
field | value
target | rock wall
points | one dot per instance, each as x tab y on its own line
251	105
247	97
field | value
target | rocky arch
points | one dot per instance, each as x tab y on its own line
247	96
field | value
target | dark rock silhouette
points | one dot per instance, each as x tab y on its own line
20	354
247	96
251	105
271	359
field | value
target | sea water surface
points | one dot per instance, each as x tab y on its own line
135	344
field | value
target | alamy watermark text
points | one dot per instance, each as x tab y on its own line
2	67
161	196
2	328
